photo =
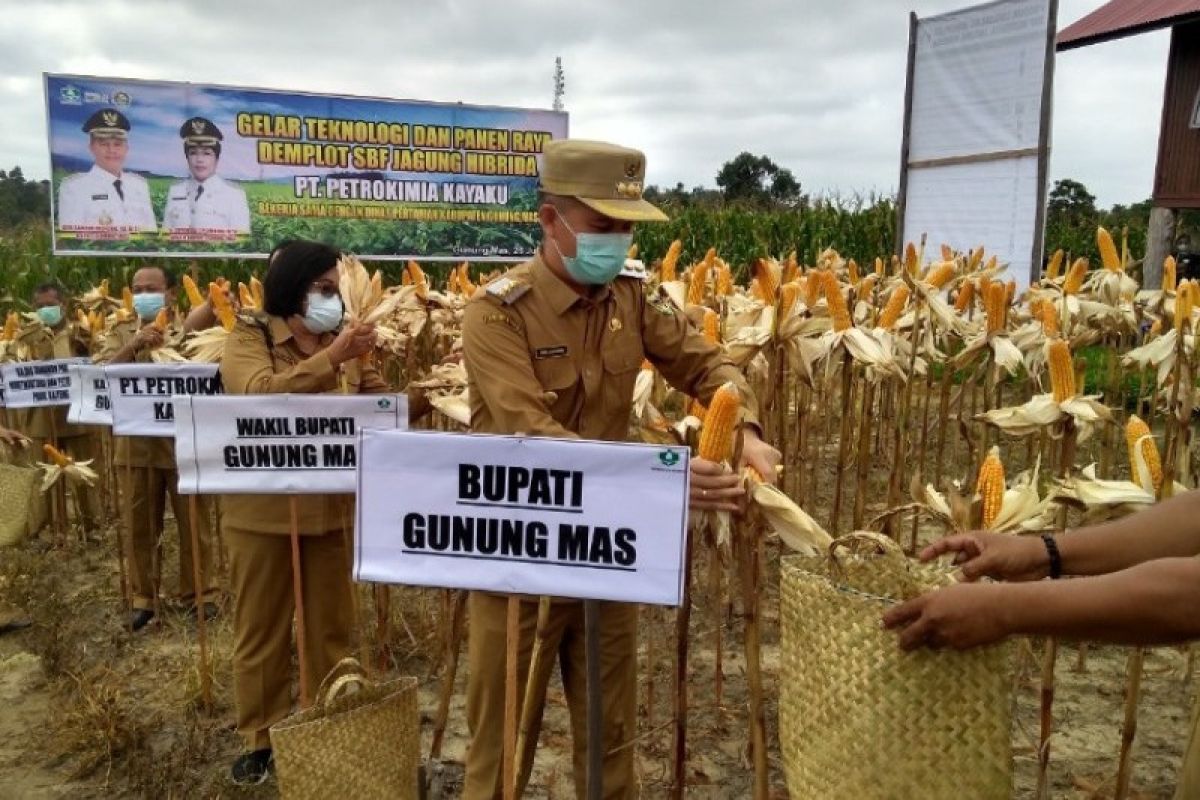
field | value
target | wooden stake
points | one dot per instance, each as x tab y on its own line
512	646
847	414
863	467
682	623
298	594
595	700
750	568
197	599
532	697
155	547
1133	695
453	645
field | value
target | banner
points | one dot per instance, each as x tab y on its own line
90	404
161	168
38	384
277	443
569	518
141	394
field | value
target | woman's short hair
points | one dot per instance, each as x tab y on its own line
294	267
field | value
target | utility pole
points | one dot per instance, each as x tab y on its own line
560	84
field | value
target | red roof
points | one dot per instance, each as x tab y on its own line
1121	18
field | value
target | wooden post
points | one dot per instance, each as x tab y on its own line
595	700
683	617
453	645
197	599
524	753
298	594
512	646
155	548
1160	239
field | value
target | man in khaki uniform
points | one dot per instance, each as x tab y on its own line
553	349
59	339
145	466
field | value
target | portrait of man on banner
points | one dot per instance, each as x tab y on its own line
106	202
205	206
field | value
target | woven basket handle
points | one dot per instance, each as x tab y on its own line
884	545
335	691
345	667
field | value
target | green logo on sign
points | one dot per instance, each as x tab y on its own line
668	458
384	403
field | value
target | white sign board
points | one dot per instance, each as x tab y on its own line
561	517
277	443
90	404
38	384
141	394
975	131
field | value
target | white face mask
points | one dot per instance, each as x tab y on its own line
324	314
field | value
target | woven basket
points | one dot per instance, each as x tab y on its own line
20	503
861	719
361	745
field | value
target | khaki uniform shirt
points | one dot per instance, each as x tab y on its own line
157	452
261	357
544	361
66	342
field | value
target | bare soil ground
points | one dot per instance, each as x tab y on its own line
89	710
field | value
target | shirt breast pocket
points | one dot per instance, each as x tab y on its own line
558	377
621	364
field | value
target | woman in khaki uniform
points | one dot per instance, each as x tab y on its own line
293	347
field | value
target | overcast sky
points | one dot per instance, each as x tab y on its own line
817	85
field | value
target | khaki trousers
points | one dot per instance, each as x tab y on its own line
80	448
565	637
144	492
260	566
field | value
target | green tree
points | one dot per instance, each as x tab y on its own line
21	200
758	180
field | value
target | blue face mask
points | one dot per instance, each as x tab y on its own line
148	304
599	257
324	313
50	315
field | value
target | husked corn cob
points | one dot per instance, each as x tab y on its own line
698	284
720	422
1074	280
791	268
966	293
894	308
1048	314
1185	301
127	300
947	253
813	285
990	486
104	290
417	276
1156	328
975	260
766	281
837	303
60	459
789	294
912	261
995	305
1135	430
1055	265
244	297
1062	371
1108	250
464	280
879	266
1170	269
221	306
852	272
696	409
939	275
712	323
160	320
195	298
256	289
666	270
81	319
724	279
11	323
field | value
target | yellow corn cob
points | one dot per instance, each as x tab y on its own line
104	290
894	308
1108	250
417	276
947	253
966	293
1135	429
992	263
1156	328
633	251
712	324
1055	265
1185	302
852	271
666	270
866	286
195	298
127	299
975	260
990	486
1170	270
405	278
60	459
1062	372
837	303
767	282
11	322
1074	280
791	268
938	276
696	409
720	422
710	257
464	280
81	319
724	279
879	266
911	259
221	306
984	285
95	321
1010	292
244	296
698	283
256	289
995	306
1048	314
789	293
160	320
812	289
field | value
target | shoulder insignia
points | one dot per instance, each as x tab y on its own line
507	290
501	318
633	269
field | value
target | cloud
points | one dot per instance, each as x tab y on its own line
817	86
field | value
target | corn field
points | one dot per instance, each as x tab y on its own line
911	396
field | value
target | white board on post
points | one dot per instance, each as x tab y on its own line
38	384
277	443
141	394
560	517
90	403
977	125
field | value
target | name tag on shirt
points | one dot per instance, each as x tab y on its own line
550	352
